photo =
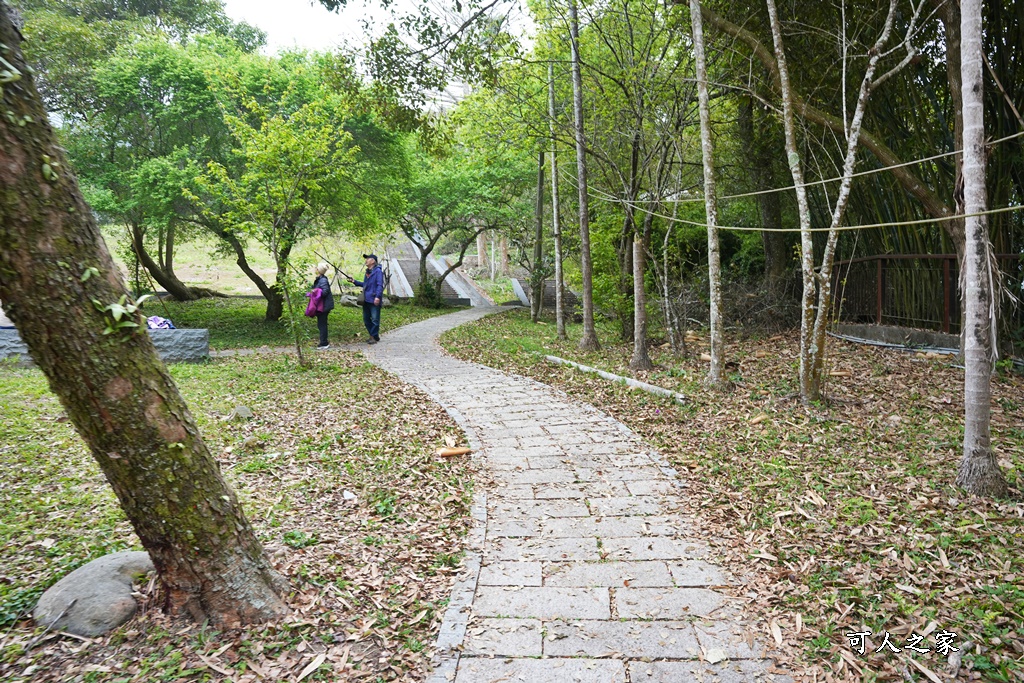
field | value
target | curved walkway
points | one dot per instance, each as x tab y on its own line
580	566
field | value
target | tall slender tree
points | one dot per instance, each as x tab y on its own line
87	339
538	275
556	222
979	471
589	340
716	373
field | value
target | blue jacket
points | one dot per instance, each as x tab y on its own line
373	285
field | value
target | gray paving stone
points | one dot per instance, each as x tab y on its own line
666	603
549	476
519	492
652	487
601	527
611	574
547	462
588	490
646	548
617	474
534	509
626	505
504	637
664	639
505	463
510	527
475	670
510	574
550	549
697	573
734	639
733	671
542	603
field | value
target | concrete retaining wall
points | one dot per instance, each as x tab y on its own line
174	346
905	336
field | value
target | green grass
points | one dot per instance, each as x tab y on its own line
240	323
369	434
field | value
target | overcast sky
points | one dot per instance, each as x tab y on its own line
291	23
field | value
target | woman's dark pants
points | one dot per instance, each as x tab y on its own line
321	324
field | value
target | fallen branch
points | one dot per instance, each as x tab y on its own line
628	381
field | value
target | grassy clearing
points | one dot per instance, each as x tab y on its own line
370	575
203	262
840	518
240	323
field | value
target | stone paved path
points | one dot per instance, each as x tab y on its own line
581	567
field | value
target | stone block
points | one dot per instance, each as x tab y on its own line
610	574
173	346
732	638
550	476
614	474
542	603
666	603
601	527
551	550
181	346
647	548
504	638
697	573
536	509
589	490
738	671
652	487
627	505
510	574
665	639
475	670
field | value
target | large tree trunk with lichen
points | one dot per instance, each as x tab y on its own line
979	471
115	389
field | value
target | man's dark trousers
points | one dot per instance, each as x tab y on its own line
371	318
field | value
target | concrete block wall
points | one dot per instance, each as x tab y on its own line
174	346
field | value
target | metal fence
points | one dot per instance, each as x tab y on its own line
920	291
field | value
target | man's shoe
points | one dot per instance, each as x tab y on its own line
377	338
323	348
371	340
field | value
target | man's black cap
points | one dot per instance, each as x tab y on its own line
373	256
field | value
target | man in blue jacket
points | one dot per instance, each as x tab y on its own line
373	292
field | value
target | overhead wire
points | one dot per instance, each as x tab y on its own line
858	174
635	205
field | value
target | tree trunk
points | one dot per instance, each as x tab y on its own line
275	305
481	251
979	471
504	256
166	279
537	273
757	154
589	340
275	302
807	390
641	360
117	393
556	226
716	373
